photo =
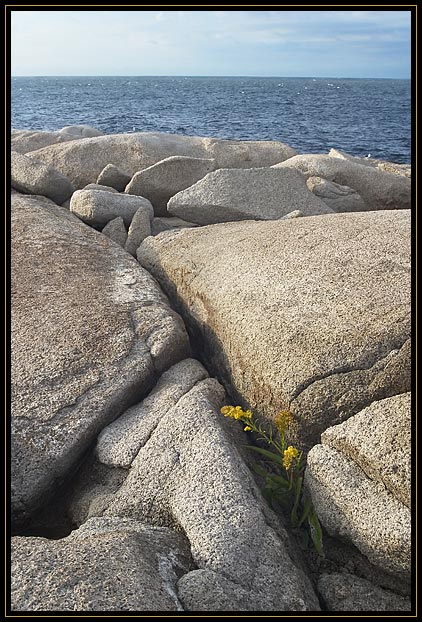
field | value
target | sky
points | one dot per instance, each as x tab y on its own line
348	44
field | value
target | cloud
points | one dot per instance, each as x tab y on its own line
46	42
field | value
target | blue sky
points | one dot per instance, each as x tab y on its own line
373	44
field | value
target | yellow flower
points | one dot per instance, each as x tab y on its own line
290	454
236	412
247	428
283	419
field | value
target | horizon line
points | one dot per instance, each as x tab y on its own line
206	76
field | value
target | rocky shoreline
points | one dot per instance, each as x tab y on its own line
157	277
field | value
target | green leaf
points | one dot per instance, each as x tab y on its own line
278	479
268	454
258	469
316	532
307	507
297	491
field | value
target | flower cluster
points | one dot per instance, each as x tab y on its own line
236	412
283	475
283	419
289	455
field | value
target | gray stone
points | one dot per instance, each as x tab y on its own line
261	194
378	189
309	313
66	204
405	170
346	592
189	474
31	176
119	443
91	331
92	489
205	590
116	231
112	176
97	207
140	228
100	187
25	141
378	440
161	181
136	151
165	224
351	505
80	131
107	564
339	198
295	214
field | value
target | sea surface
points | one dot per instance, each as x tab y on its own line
360	116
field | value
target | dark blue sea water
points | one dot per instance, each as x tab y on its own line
310	114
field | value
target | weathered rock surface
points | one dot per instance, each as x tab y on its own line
379	190
133	152
140	228
310	313
116	231
161	181
351	505
405	170
81	131
189	474
100	187
238	194
91	331
31	176
378	440
97	207
347	592
112	176
25	141
165	224
108	564
119	443
339	198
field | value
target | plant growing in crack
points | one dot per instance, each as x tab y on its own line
282	474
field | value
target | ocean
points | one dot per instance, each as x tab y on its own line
360	116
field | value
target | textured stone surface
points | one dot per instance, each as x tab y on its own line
137	151
165	224
91	331
378	440
140	228
112	176
311	313
346	592
405	170
30	176
116	231
81	131
108	564
119	443
339	198
92	489
100	187
25	141
97	207
351	505
161	181
379	190
189	474
234	194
